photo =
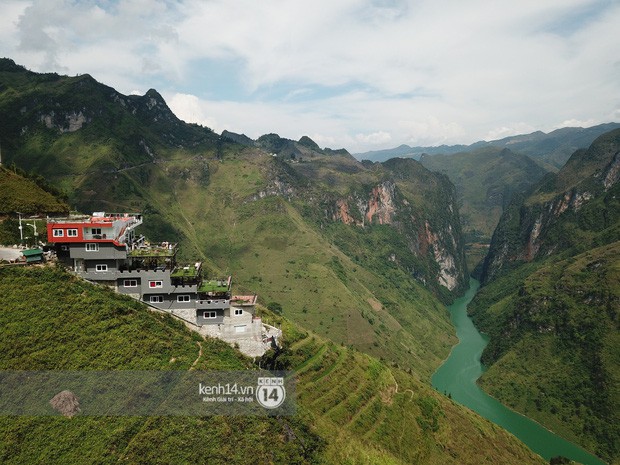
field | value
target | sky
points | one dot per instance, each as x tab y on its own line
359	74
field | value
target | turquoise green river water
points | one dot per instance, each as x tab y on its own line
458	374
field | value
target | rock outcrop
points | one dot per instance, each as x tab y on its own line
563	211
431	231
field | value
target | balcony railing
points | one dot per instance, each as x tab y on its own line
212	304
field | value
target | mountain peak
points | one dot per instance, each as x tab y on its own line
153	94
6	64
307	142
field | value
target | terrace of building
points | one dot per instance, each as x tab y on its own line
215	288
98	226
151	256
188	274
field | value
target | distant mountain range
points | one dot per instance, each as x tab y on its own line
358	252
282	147
551	149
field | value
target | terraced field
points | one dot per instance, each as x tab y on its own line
370	412
352	408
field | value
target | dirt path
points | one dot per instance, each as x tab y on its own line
199	355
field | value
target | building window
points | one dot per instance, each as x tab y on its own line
130	283
157	299
238	311
71	232
58	232
154	284
95	231
101	267
183	298
210	315
91	247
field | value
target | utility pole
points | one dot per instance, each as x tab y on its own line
21	228
34	225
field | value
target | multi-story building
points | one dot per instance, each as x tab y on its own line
104	248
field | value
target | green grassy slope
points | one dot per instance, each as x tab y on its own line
19	194
272	248
351	408
559	361
28	196
550	300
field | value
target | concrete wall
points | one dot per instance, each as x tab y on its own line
121	289
200	320
106	251
157	275
251	330
90	266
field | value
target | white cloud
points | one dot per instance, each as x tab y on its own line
190	109
575	123
11	11
374	138
511	130
350	72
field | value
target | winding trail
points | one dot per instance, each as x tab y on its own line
193	367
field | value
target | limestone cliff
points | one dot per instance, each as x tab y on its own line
419	207
549	303
564	211
394	214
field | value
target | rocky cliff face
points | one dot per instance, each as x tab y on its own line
55	105
378	207
564	211
430	231
120	149
550	298
395	214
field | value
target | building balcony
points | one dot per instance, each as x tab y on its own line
98	275
163	250
212	304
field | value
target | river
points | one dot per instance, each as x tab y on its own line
458	374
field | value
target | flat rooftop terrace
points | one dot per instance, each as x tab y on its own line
97	217
215	286
191	271
164	249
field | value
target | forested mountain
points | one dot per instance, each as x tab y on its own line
551	300
28	196
361	255
358	252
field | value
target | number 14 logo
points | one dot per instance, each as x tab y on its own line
270	392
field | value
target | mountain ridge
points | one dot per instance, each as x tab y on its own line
486	179
269	220
550	149
549	300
